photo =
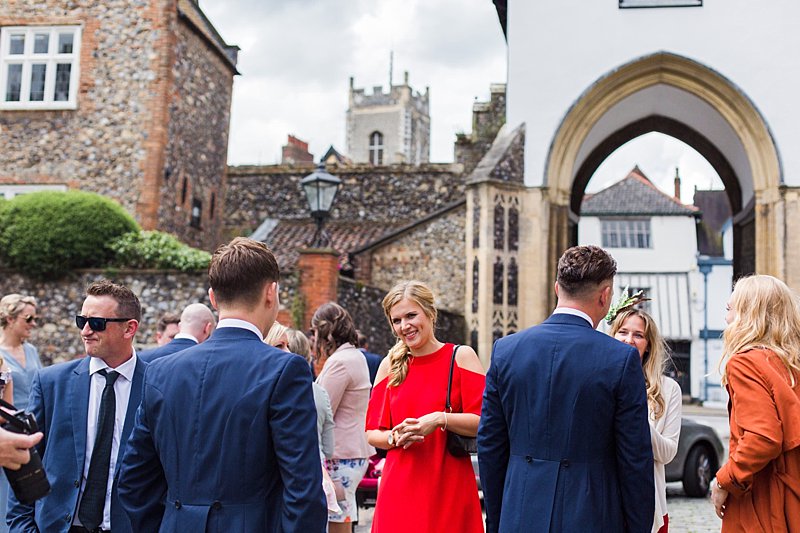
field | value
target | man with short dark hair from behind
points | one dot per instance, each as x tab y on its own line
225	439
85	408
167	328
564	441
196	324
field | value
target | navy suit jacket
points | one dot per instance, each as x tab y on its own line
225	440
373	362
60	401
173	346
564	441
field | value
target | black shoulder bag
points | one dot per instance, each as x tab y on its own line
457	445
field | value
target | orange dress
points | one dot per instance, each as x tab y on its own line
425	488
762	474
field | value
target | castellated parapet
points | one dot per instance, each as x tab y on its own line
389	127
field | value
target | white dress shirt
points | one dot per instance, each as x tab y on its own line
243	324
574	312
186	336
122	391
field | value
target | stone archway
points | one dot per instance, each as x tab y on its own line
680	97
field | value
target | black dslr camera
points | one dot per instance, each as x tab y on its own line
29	483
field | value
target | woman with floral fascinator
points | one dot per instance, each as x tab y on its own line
637	328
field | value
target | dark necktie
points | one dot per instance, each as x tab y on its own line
94	493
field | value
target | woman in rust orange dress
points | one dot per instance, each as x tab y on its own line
423	487
758	488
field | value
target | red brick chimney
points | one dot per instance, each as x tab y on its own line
295	151
677	184
319	280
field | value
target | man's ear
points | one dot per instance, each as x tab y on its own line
605	295
555	287
270	294
213	298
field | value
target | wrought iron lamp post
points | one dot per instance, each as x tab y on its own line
320	188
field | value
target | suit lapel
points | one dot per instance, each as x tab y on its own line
80	408
133	403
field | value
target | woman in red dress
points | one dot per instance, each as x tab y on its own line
423	486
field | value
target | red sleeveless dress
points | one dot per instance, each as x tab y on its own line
425	487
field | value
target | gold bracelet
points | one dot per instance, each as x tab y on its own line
445	421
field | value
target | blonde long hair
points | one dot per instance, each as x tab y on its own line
766	316
420	294
654	362
275	333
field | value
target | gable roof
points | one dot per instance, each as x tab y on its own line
635	195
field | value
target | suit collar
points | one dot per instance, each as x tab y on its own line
133	404
80	408
233	333
563	318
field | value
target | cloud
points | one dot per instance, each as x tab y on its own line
297	57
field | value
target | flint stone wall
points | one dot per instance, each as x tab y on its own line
197	141
394	194
57	338
99	146
433	253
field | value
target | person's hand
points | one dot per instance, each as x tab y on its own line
413	430
14	448
718	498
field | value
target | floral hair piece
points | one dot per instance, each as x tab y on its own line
625	302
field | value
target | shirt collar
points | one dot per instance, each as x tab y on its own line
238	323
125	370
574	312
186	336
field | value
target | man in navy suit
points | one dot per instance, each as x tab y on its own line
225	438
196	324
85	408
563	441
373	359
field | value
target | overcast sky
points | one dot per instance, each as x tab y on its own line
297	57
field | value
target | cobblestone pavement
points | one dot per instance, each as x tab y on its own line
690	515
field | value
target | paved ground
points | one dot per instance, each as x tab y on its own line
687	515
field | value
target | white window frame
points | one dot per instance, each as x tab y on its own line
376	148
10	191
626	233
51	59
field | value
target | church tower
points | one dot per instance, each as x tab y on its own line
389	128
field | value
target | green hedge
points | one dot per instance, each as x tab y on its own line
46	234
155	249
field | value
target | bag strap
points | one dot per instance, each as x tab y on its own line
447	406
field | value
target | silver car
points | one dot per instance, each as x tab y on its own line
699	456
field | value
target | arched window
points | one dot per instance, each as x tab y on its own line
376	148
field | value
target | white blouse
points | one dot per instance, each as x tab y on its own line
664	434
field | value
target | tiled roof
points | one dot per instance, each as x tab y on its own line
289	236
634	195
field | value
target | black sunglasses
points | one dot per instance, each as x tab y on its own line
30	318
96	323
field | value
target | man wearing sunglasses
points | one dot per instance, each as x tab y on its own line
225	439
86	411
